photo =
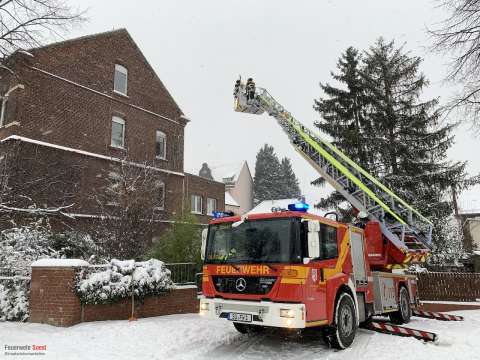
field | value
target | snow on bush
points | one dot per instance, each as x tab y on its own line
19	248
14	304
120	278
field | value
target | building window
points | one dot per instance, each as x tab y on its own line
160	188
161	145
196	204
118	132
120	79
211	206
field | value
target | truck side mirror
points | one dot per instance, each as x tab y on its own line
313	245
204	243
313	239
313	226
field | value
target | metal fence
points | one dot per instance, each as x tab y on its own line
183	273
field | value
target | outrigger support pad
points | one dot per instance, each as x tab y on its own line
437	315
387	328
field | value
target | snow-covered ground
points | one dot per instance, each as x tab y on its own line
193	337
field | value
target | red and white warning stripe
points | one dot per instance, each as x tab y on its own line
402	331
437	315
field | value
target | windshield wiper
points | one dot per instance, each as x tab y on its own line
235	267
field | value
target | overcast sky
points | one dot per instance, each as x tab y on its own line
198	49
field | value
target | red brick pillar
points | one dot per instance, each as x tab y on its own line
52	297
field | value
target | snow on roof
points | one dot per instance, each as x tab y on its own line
267	205
229	200
476	252
59	263
227	172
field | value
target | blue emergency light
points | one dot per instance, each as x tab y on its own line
300	206
222	214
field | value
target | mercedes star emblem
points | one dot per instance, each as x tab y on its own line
241	284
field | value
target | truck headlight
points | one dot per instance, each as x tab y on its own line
204	306
287	313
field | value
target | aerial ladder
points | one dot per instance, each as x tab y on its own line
407	233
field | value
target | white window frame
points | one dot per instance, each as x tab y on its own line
162	134
209	210
194	211
161	184
118	120
123	70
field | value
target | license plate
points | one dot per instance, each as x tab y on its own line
240	317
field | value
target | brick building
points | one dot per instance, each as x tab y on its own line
76	107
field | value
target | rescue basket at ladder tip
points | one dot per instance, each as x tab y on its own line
406	229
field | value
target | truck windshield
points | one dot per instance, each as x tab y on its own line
256	241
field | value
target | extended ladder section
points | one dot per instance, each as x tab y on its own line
402	225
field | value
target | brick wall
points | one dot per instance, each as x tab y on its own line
71	178
445	307
179	301
197	185
53	301
69	99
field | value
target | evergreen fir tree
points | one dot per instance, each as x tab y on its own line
403	141
289	182
343	109
267	175
343	118
410	141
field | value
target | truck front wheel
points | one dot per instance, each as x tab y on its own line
342	333
402	316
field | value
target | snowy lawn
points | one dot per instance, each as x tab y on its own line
193	337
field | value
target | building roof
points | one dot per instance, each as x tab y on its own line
229	200
228	173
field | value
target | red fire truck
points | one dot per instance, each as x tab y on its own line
292	269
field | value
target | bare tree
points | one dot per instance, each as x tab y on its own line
131	203
459	36
29	23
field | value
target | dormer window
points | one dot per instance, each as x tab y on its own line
120	79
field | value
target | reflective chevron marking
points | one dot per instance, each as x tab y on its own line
437	315
386	328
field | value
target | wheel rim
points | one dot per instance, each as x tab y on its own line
404	304
346	321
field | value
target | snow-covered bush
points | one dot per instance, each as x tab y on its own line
119	278
20	246
14	304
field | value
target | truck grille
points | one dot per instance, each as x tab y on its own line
244	284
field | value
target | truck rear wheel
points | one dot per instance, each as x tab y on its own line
402	316
247	328
342	333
